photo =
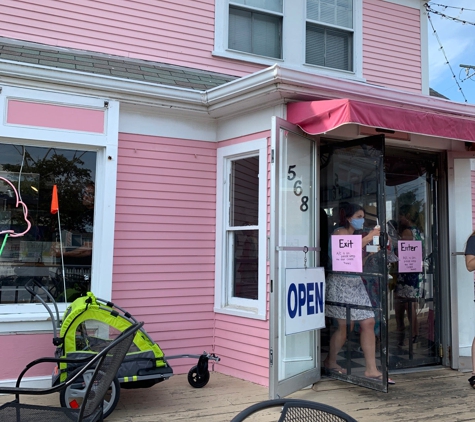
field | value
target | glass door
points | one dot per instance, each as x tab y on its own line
413	294
354	241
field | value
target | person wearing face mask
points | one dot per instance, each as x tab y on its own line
343	288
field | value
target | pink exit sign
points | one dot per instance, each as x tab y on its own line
54	116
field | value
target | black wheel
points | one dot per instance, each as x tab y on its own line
198	380
73	395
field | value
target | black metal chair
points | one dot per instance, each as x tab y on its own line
294	410
103	366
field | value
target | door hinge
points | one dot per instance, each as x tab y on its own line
271	357
441	351
271	155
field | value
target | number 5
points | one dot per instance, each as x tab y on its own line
291	174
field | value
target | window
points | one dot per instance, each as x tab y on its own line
40	248
243	238
255	26
241	230
329	33
82	164
317	36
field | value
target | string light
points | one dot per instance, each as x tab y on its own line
436	12
452	7
429	11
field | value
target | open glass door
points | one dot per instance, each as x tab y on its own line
293	347
352	205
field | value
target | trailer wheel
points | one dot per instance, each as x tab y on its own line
198	380
73	395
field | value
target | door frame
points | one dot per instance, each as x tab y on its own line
450	327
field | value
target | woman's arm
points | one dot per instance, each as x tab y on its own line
369	237
469	253
470	262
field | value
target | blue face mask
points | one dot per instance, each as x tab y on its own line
357	223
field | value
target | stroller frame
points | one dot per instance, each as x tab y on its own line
142	367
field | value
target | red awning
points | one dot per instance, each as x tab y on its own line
316	117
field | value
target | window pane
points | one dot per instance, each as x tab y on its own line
329	47
255	33
35	253
274	5
338	45
333	12
246	264
244	192
315	48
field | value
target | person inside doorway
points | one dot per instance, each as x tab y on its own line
408	285
470	264
349	289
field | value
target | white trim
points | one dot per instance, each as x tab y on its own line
245	307
32	317
293	44
424	51
49	134
28	382
270	85
415	4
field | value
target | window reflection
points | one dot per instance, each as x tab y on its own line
54	251
246	264
243	220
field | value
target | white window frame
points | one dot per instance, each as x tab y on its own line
223	300
34	317
293	40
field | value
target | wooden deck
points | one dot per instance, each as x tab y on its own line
432	395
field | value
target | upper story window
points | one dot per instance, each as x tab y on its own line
329	33
255	26
317	36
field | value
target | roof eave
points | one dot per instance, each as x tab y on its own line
273	85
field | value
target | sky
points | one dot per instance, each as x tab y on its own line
458	42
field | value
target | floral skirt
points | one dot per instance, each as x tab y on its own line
347	289
408	285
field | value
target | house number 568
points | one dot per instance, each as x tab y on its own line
298	190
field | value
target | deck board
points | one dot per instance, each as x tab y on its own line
434	395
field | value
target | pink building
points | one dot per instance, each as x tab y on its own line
221	139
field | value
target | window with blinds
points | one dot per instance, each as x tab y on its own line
329	34
255	26
315	36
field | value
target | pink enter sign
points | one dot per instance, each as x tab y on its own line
347	253
55	116
410	256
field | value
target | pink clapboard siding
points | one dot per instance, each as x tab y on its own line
165	240
182	33
392	45
243	345
164	254
19	349
166	31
